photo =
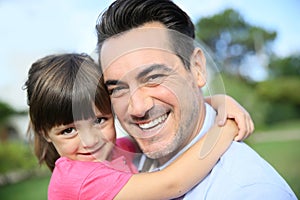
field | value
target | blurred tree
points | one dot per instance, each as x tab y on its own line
243	52
246	94
232	40
6	111
281	89
288	66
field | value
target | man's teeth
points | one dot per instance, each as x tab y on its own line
154	123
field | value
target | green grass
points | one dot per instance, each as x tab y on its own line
31	189
284	156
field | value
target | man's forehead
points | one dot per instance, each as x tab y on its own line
133	40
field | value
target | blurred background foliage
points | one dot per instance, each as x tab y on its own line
264	83
7	111
267	85
16	155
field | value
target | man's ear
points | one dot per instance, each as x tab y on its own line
198	66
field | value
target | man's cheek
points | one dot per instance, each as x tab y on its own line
119	107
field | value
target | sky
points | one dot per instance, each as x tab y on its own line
32	29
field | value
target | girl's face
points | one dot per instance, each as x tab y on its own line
85	140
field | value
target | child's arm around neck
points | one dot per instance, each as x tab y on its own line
185	172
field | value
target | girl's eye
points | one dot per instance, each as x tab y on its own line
69	131
99	120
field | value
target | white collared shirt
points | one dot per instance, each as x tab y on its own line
207	124
239	174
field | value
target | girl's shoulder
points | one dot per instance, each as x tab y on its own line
74	166
128	144
85	180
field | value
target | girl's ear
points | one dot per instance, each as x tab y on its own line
46	137
198	66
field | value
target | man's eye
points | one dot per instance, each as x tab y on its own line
155	79
118	91
69	131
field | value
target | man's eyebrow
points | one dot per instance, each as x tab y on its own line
157	67
160	67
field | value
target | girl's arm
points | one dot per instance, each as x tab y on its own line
228	108
185	172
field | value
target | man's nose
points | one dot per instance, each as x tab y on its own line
139	102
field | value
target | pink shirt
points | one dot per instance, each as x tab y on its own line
88	180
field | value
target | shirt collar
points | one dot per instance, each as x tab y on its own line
208	122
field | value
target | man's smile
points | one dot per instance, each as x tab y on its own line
153	123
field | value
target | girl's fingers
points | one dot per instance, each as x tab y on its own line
243	127
221	116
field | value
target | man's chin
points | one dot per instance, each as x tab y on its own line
161	154
153	155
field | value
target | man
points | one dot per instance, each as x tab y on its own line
154	75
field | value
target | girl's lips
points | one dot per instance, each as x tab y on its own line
97	150
93	151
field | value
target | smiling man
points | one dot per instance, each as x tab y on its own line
150	93
155	98
154	74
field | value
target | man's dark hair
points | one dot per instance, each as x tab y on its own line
123	15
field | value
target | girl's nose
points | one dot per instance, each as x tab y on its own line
89	138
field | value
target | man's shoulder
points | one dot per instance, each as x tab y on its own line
248	172
240	173
245	165
239	153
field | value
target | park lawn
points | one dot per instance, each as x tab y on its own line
31	189
283	156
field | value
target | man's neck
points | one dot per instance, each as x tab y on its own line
190	140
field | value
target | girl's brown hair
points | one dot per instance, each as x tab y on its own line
62	89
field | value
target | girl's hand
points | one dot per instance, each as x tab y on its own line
228	108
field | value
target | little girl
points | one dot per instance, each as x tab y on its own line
73	128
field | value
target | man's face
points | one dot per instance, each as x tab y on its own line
155	98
